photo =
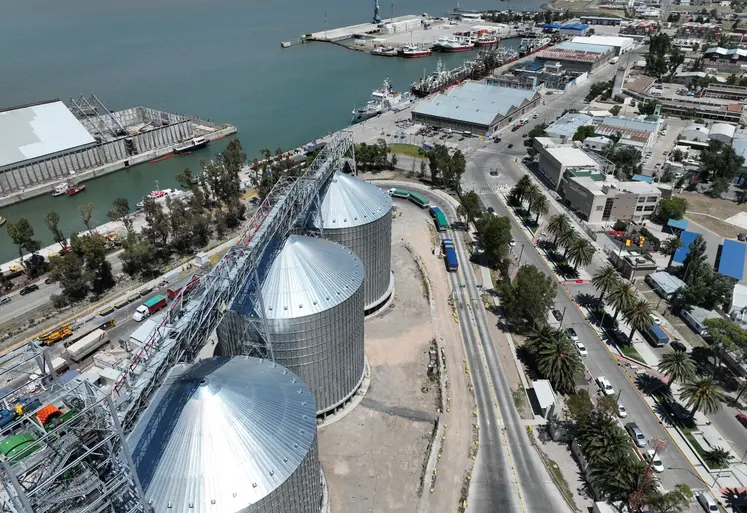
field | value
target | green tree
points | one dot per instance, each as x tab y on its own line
719	160
600	436
69	272
583	132
638	316
605	279
558	225
494	233
677	366
671	208
540	205
86	213
725	336
696	256
527	299
615	110
648	108
623	479
470	201
567	240
704	395
579	406
22	234
138	256
98	267
556	358
156	230
718	457
52	220
673	501
670	247
621	297
538	131
120	211
676	58
581	252
186	179
719	187
627	159
522	188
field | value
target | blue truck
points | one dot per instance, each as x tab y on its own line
452	264
656	336
434	211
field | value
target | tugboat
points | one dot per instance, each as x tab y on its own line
61	189
191	145
75	189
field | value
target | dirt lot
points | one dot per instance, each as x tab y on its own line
710	212
375	456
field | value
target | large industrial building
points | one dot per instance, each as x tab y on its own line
583	58
358	215
230	435
620	44
478	108
312	322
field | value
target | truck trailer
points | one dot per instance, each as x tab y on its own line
87	344
450	256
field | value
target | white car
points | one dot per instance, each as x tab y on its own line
512	243
605	386
621	411
656	320
581	348
653	458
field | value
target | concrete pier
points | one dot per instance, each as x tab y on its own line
356	31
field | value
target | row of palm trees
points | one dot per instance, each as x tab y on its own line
526	190
556	358
621	296
578	250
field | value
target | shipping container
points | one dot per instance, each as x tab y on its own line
419	200
87	344
656	336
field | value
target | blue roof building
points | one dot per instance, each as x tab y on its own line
731	262
574	29
566	126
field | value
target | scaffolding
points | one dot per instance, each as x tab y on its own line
191	320
63	449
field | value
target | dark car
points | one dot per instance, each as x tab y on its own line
29	289
525	135
742	236
510	146
497	140
558	316
491	210
49	280
742	418
678	346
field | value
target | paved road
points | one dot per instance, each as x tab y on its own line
599	361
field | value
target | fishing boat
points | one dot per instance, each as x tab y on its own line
157	194
384	51
453	44
410	51
487	40
75	189
61	189
194	144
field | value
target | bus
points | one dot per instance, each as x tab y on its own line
419	200
441	223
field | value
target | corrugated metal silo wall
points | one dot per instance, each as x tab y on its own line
372	243
300	493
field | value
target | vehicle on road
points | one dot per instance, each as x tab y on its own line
88	344
742	236
581	348
572	333
491	210
706	500
150	307
452	264
605	386
678	346
512	243
654	459
622	412
656	320
636	434
510	146
742	418
49	281
28	289
557	314
4	300
496	139
656	336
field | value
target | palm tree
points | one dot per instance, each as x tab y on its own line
638	316
604	280
533	192
718	457
621	297
703	395
623	478
670	247
677	366
522	188
581	252
601	436
557	358
540	205
558	225
567	239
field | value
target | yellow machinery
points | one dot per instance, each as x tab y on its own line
57	334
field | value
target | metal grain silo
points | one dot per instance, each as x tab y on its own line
313	305
230	435
358	215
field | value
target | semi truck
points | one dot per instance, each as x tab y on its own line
150	307
450	256
87	344
656	335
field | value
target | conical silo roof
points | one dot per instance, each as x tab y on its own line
310	275
222	434
352	202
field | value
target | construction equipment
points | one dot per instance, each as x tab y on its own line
57	334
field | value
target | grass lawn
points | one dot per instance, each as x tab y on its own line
630	352
405	149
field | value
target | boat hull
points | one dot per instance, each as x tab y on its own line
412	55
486	43
453	50
191	148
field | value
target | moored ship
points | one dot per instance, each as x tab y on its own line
382	100
453	44
194	144
411	51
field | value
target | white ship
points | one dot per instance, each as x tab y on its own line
381	101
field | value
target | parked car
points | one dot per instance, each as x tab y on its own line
49	280
621	411
605	386
28	289
742	236
581	348
497	140
572	333
708	503
4	300
491	210
510	146
654	459
678	346
656	320
742	418
512	243
557	314
636	434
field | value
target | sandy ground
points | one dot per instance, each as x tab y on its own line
710	213
375	456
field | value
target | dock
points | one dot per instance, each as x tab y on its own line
358	31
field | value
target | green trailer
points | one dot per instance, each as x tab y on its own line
419	200
441	223
400	193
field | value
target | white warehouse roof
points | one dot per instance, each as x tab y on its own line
723	132
572	157
33	131
624	43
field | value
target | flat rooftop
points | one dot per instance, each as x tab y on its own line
572	157
32	131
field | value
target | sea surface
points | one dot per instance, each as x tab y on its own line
217	59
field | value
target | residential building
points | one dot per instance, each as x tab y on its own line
528	83
727	92
479	108
606	200
596	143
726	60
632	264
696	317
695	132
664	284
620	44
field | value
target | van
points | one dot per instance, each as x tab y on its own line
707	502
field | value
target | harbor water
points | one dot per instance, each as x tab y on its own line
218	59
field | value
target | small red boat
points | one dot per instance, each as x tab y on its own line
75	189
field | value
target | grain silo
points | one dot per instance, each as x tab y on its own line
313	302
358	215
230	435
